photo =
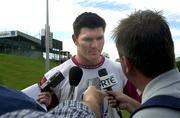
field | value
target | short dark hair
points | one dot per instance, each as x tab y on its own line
145	39
89	20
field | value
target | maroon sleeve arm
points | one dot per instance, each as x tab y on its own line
131	91
54	102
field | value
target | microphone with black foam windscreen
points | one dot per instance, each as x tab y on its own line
75	75
106	82
51	82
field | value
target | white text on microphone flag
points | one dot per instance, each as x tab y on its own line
107	81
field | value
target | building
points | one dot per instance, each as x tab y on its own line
19	43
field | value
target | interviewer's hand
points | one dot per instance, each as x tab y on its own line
93	94
93	99
44	98
122	101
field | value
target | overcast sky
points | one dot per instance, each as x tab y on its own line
29	16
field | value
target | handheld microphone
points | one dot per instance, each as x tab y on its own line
75	75
51	82
106	82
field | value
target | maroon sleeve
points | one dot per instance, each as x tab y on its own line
54	102
131	91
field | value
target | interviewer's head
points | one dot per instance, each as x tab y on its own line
144	39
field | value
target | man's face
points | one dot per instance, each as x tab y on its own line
89	44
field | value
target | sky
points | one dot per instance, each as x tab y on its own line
29	16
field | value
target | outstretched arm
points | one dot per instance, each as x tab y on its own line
93	99
121	100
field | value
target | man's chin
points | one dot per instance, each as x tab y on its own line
94	58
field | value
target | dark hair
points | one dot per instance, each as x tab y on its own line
145	39
89	20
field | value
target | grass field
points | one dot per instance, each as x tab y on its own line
19	72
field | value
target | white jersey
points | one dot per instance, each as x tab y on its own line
90	76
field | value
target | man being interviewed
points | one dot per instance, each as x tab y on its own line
88	37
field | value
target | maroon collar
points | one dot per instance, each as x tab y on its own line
88	66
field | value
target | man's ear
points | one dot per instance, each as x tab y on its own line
74	38
127	65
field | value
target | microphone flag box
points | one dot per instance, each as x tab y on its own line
108	81
51	82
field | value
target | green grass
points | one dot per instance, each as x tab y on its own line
19	72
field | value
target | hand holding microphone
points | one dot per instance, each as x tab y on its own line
124	101
106	82
45	85
93	98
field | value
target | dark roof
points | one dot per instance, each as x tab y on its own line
16	33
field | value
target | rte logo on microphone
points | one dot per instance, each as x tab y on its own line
107	81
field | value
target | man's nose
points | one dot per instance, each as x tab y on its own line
94	43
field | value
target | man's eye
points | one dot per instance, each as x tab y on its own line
87	39
100	38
